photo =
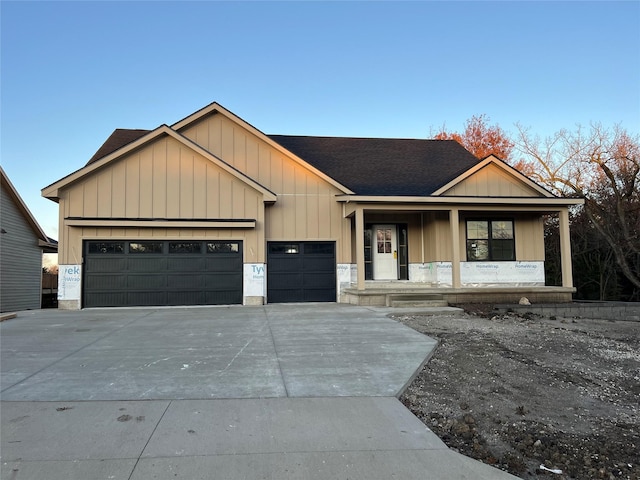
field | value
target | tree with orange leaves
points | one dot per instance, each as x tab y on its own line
481	139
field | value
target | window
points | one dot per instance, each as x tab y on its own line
106	247
384	240
222	247
145	247
185	247
281	248
490	240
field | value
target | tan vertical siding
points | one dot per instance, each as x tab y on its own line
117	194
306	207
105	189
163	180
529	233
491	181
167	179
133	188
90	194
159	180
145	209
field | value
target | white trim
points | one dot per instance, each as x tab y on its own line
99	222
448	201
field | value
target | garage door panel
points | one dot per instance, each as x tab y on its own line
318	264
280	280
185	281
221	281
108	264
148	263
223	298
320	295
106	282
223	264
286	295
145	282
107	299
284	264
185	298
146	298
172	274
317	280
179	263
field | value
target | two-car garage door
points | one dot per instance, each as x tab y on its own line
183	272
156	272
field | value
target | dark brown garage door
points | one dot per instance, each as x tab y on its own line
301	272
156	272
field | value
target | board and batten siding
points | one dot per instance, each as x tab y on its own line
20	260
163	180
306	208
491	181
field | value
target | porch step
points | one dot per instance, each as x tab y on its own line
416	300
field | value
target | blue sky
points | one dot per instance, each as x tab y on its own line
72	72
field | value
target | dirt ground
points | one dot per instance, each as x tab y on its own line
538	397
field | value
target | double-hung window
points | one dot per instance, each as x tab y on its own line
490	240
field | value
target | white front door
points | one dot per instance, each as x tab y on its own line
385	252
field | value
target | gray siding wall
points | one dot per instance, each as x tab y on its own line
20	260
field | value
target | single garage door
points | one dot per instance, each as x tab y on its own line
156	272
301	272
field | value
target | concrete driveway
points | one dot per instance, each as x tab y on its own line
280	391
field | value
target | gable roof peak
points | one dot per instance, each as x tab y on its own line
118	139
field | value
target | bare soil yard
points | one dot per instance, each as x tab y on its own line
538	397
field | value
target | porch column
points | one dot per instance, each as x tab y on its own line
565	248
454	222
360	246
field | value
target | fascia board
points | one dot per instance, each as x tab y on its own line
217	108
453	201
500	164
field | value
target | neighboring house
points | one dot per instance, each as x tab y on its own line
211	210
22	243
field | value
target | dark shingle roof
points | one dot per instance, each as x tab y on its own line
383	166
367	166
118	139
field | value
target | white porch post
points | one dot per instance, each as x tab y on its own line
565	249
454	222
360	246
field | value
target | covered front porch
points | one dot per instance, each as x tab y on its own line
427	251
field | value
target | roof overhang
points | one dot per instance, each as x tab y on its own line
461	201
479	204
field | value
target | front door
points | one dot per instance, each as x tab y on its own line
385	252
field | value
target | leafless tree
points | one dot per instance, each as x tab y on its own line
603	166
